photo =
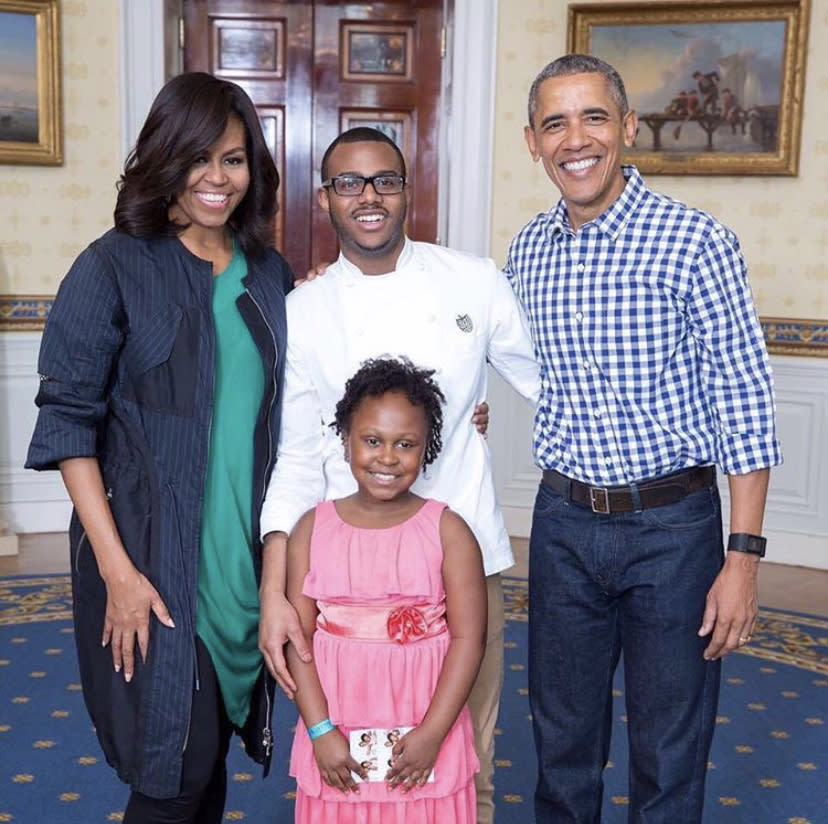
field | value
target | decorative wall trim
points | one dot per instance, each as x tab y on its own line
784	336
794	336
24	313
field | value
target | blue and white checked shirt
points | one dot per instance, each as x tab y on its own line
651	353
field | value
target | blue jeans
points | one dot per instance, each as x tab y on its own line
636	583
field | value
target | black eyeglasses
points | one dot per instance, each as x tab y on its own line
353	185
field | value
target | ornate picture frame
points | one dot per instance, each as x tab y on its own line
717	84
383	52
30	94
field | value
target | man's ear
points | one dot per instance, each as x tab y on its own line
630	128
529	135
323	198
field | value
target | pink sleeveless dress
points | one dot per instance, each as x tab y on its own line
379	646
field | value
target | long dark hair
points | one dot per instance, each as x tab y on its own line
188	116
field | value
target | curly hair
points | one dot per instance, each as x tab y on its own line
380	375
187	117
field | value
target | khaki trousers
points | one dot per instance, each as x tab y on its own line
484	701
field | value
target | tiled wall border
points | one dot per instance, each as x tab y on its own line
784	336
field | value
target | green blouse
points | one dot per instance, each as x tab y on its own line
227	619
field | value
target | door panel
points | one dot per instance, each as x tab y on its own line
314	69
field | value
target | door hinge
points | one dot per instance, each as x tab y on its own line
443	40
181	33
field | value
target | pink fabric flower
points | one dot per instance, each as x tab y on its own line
406	624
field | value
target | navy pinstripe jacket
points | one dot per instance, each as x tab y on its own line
126	367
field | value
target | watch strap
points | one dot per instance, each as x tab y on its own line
745	542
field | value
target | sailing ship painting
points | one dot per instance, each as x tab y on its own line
19	111
700	87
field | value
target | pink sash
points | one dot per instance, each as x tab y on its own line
404	623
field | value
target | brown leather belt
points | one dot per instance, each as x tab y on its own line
668	489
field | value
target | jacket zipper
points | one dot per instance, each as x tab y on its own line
272	397
267	733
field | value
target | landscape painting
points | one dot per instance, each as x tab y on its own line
18	78
717	86
29	82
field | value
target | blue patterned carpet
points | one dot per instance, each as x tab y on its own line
768	764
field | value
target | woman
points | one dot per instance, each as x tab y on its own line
161	369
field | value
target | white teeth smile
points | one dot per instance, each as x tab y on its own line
580	165
369	218
212	197
381	476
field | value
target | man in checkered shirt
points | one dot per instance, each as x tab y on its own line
654	371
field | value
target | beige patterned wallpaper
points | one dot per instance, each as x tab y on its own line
782	222
50	213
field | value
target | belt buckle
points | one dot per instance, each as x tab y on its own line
599	500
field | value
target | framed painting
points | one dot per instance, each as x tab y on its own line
30	104
380	51
717	84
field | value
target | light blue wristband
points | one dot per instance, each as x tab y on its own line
320	729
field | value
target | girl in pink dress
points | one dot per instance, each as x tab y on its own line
391	587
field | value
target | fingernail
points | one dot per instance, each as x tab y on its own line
170	623
128	677
117	667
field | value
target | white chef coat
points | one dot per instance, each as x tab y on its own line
445	310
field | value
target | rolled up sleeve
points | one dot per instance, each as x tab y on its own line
80	344
736	367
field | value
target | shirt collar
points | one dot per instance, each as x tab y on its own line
613	219
403	260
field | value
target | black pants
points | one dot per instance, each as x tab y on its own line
204	773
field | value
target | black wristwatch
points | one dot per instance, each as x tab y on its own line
745	542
